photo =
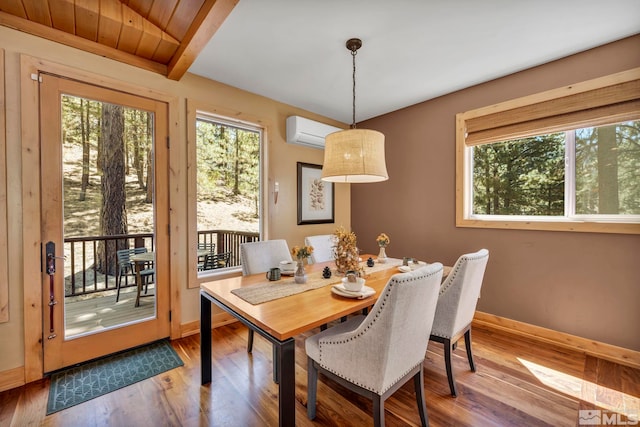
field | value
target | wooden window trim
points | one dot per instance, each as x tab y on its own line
591	103
4	239
195	107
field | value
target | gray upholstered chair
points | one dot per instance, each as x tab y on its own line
375	355
456	306
259	257
322	247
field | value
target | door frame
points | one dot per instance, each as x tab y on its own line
60	351
31	208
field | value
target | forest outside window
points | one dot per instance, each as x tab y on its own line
589	173
228	199
566	160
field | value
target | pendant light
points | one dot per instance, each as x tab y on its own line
354	155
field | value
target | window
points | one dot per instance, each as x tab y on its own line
226	204
563	160
587	173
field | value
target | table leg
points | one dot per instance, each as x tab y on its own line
205	340
276	368
138	282
287	384
284	363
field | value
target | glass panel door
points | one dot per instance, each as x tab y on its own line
108	213
100	175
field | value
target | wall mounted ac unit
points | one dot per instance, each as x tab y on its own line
307	132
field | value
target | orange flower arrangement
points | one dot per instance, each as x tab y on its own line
301	252
383	240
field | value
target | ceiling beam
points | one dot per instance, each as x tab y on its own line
79	43
210	17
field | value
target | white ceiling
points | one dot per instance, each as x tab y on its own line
294	51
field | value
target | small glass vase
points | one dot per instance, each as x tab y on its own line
300	275
382	255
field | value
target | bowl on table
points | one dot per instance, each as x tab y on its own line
287	267
353	286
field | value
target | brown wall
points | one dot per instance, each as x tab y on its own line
585	284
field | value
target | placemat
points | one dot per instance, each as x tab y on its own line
268	291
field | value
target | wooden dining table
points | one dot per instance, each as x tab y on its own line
280	320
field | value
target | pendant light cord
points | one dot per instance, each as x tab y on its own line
353	54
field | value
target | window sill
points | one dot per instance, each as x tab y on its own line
548	225
213	275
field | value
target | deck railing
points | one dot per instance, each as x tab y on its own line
82	276
227	241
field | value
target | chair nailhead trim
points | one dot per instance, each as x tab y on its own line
384	301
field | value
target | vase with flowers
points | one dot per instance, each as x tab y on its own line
300	253
346	252
382	240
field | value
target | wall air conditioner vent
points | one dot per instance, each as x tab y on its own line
307	132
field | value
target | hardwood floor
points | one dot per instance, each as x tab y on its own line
518	382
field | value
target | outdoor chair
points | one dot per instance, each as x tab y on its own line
211	247
213	261
203	250
456	306
377	354
126	269
322	247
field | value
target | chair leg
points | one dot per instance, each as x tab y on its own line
276	371
447	362
467	344
312	388
138	290
118	286
418	382
378	411
250	341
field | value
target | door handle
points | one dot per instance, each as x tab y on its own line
50	250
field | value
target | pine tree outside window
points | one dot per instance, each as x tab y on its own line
563	160
225	197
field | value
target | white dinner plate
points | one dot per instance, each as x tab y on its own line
412	266
365	292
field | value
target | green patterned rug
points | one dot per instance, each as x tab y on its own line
90	380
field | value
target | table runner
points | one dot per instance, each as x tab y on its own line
263	292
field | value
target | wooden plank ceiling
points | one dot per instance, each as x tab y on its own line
163	36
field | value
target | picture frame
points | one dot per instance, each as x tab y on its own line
315	197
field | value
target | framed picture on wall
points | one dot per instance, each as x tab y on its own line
315	196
